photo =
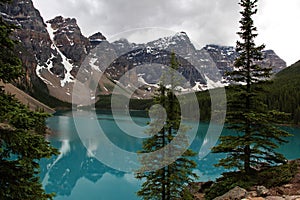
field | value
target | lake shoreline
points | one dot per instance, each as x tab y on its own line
289	190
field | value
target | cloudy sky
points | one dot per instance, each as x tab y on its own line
205	21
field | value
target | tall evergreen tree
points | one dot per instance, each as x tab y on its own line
22	132
170	181
257	135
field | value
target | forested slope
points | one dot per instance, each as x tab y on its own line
285	92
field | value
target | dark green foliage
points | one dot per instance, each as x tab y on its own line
284	93
140	104
104	102
296	115
41	94
258	136
22	139
8	62
169	181
22	145
204	101
281	94
269	177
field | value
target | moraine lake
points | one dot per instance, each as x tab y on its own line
77	174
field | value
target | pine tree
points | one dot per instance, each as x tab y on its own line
297	115
10	65
257	135
22	132
168	182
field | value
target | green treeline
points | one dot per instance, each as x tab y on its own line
284	92
282	95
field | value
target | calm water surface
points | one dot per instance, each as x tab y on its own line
75	174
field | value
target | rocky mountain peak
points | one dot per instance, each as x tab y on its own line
53	52
23	14
68	38
123	46
182	36
170	43
273	60
33	39
224	57
63	25
97	37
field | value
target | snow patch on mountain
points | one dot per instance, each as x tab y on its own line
51	32
198	87
68	66
142	81
66	62
164	43
93	65
212	84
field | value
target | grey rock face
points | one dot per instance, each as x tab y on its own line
53	52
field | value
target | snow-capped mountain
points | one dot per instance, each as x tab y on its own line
224	57
55	54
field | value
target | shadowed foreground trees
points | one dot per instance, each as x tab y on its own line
251	151
167	182
22	132
257	135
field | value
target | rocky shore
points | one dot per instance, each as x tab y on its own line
288	191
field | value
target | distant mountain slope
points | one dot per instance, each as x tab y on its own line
224	57
26	99
292	72
53	52
283	94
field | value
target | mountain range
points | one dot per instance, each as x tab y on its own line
55	54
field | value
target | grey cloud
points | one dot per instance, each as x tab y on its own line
206	21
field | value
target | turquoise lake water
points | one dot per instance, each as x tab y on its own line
77	174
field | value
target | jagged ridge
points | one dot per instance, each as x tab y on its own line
53	52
